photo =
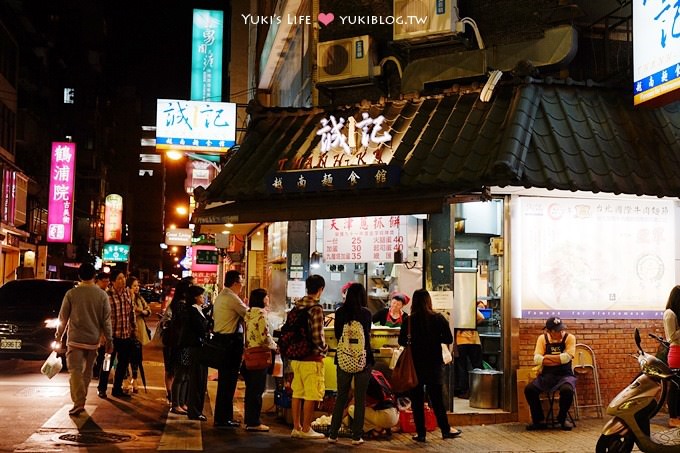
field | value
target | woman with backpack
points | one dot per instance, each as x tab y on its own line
353	360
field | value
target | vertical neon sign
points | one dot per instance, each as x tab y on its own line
62	178
113	218
206	55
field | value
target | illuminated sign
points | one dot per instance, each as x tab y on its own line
9	188
62	178
593	258
178	236
195	125
352	140
113	218
333	135
656	51
116	253
363	239
206	55
204	258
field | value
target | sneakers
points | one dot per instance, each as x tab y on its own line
295	434
311	434
357	441
566	426
332	440
76	410
260	427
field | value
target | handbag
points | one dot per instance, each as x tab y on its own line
404	376
212	354
257	358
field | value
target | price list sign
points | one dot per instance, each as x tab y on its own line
363	239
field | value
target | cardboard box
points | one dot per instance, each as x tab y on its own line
524	376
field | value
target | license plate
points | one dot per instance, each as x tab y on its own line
10	344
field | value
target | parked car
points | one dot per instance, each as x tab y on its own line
29	311
150	294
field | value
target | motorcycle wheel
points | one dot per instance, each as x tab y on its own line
614	444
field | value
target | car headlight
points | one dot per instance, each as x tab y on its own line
52	323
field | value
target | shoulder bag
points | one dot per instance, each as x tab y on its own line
213	353
256	357
404	376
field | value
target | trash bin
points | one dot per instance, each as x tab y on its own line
485	388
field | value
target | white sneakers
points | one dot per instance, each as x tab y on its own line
311	434
332	440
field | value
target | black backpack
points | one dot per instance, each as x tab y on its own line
295	341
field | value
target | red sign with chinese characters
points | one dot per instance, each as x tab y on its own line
363	239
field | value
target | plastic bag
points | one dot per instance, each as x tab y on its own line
446	354
52	365
395	356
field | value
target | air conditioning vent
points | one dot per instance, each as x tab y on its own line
343	59
439	17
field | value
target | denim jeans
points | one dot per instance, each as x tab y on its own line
360	386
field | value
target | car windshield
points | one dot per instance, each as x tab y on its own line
24	300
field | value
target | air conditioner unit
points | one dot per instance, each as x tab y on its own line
415	19
343	59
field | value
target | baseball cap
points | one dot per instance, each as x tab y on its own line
554	324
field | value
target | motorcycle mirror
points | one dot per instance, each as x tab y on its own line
638	340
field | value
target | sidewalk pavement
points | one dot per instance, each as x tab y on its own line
506	437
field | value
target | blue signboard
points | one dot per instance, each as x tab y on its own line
656	50
332	179
195	125
206	55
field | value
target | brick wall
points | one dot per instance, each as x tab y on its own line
611	340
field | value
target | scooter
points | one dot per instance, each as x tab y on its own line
634	407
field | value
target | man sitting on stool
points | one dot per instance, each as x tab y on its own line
554	352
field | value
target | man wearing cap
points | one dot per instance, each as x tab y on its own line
554	352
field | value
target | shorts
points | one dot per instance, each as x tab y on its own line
308	380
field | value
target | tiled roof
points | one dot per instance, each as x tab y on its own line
553	136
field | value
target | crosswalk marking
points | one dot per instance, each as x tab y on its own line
62	420
180	433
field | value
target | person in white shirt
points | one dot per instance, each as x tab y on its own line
228	313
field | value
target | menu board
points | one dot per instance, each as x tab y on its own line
593	258
363	239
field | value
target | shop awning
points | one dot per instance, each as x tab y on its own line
554	136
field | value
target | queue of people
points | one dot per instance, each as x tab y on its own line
116	325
